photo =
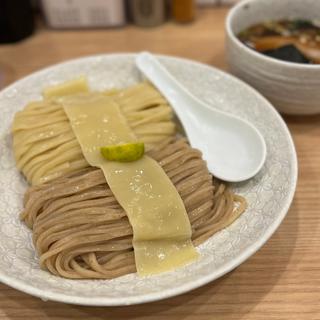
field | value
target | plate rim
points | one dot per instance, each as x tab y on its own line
167	293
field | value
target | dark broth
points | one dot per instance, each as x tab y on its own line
289	40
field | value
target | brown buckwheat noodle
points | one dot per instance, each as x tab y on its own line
80	231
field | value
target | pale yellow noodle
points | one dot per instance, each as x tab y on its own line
46	148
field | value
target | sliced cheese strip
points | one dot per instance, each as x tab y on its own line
161	228
96	121
67	88
163	255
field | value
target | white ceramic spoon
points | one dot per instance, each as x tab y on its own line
233	148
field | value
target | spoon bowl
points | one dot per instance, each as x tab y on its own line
233	148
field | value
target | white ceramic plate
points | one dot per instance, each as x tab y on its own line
269	194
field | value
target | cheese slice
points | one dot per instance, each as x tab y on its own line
67	88
161	228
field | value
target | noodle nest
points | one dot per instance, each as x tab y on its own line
79	229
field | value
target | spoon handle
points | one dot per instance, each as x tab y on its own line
170	88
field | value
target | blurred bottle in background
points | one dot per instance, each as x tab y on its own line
84	13
147	13
16	20
183	11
